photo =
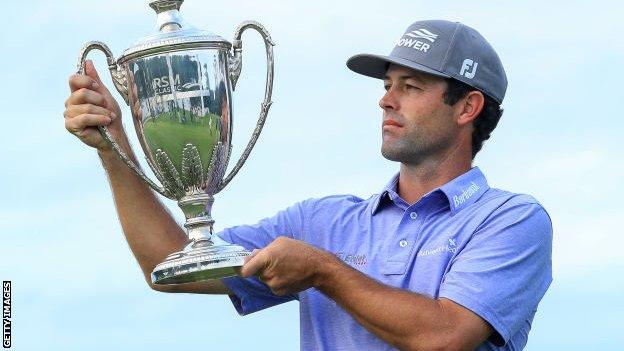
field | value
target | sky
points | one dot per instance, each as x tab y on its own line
76	285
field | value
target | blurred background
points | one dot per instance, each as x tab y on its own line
76	285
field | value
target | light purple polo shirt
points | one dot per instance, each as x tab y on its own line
488	250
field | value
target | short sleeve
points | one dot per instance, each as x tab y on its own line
503	272
250	294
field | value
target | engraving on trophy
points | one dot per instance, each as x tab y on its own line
178	84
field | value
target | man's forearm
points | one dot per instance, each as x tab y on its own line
404	319
150	230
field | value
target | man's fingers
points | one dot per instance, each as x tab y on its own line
79	81
253	253
87	133
75	110
256	263
77	124
86	96
90	80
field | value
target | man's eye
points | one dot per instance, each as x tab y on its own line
386	87
409	86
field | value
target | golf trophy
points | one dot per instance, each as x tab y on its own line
178	83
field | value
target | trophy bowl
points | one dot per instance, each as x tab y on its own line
178	83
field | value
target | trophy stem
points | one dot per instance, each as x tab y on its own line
202	236
197	209
206	256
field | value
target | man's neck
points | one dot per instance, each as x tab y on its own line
417	180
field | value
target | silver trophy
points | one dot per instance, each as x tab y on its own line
178	83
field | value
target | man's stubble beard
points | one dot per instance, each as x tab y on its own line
414	147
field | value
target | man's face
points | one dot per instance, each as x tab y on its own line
417	124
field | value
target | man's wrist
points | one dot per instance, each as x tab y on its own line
106	154
328	266
109	156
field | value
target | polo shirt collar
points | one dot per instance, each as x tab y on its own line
387	193
464	190
460	192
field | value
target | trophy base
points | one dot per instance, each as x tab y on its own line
200	260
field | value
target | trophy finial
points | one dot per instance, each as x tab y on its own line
169	18
165	5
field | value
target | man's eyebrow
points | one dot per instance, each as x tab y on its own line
407	76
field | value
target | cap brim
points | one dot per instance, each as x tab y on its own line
376	65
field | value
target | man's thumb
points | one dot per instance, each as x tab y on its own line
91	71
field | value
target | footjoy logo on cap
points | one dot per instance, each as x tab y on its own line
410	39
469	68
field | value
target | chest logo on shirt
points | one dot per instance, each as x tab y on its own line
450	246
352	259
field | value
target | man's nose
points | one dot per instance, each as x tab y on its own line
389	100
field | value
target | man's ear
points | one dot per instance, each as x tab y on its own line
470	107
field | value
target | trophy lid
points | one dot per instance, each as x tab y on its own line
174	33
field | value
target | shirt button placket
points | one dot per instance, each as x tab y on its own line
404	243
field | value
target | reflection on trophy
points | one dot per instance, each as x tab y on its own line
178	83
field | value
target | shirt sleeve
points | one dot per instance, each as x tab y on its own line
505	269
250	294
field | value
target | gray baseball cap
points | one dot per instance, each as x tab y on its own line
444	49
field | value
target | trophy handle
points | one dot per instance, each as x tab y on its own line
120	82
235	66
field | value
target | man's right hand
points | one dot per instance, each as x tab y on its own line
90	105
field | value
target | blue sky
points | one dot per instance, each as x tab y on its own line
76	284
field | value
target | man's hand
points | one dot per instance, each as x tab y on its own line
288	265
89	105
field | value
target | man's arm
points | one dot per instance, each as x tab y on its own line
404	319
493	286
150	230
407	320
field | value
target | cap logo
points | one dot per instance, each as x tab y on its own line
410	39
422	33
468	68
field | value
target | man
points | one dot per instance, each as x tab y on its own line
437	260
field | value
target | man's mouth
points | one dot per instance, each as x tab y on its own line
391	123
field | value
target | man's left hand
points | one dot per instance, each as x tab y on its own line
288	265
